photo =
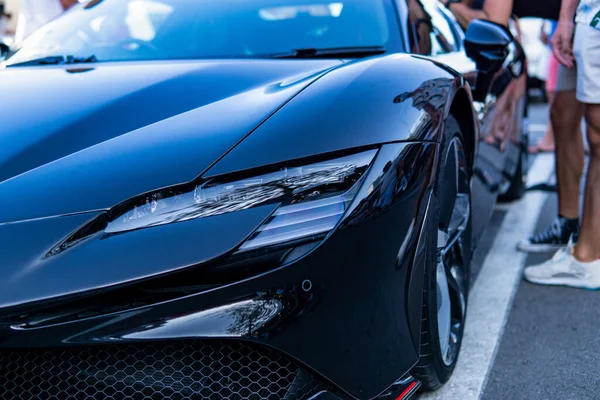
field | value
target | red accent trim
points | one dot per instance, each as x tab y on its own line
408	390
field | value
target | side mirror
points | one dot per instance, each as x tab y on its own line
4	50
486	43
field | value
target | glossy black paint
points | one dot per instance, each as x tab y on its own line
325	396
350	276
487	44
4	50
88	140
104	127
381	100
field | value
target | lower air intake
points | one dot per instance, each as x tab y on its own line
212	370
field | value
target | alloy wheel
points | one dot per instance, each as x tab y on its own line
451	273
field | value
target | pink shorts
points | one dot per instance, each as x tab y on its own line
552	77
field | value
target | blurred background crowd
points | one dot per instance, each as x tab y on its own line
19	18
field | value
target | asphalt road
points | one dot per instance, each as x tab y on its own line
550	348
547	343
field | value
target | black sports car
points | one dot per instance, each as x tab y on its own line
238	199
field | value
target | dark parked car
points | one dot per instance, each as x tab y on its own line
229	199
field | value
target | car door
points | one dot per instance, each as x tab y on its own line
500	116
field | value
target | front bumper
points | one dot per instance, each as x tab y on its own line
348	312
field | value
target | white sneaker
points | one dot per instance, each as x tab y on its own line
565	270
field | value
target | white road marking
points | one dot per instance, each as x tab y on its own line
493	292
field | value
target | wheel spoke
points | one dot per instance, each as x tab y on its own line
460	214
450	186
444	307
456	283
458	223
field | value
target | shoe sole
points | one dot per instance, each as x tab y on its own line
539	248
573	283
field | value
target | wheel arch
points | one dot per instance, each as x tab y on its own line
462	110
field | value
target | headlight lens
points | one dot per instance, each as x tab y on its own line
297	221
312	200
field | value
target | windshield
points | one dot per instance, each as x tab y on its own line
129	30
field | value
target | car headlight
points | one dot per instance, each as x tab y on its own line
311	199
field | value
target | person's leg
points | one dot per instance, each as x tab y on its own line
587	52
588	244
565	117
546	143
579	266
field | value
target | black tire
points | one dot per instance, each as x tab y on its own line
432	370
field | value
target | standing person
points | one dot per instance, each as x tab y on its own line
35	13
546	143
500	11
579	265
565	115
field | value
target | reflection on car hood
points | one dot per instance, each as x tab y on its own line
81	139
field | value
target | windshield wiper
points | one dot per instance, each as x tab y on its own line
55	60
336	52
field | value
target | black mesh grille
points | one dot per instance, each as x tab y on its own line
211	370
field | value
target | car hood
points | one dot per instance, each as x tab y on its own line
82	139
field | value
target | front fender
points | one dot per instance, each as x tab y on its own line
364	103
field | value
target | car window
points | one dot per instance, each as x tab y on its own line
457	32
442	36
129	30
419	28
430	31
